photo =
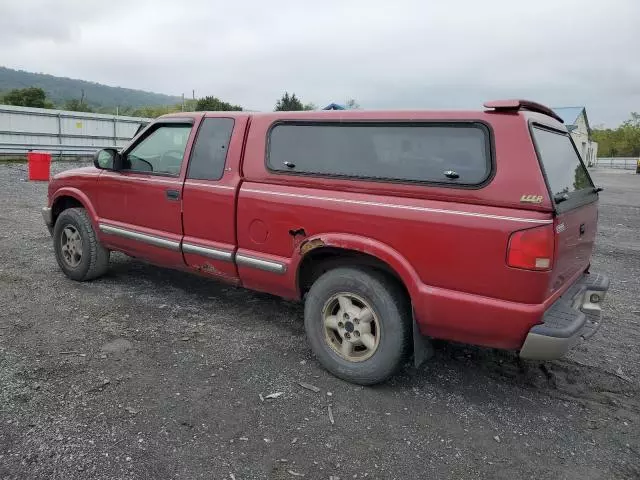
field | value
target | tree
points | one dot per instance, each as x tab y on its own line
634	121
27	97
76	105
289	103
216	105
580	179
310	106
190	105
623	141
153	111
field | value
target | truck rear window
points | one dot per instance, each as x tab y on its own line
442	153
564	170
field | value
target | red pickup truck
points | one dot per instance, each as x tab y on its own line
393	227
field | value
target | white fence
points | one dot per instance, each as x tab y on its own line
62	132
627	163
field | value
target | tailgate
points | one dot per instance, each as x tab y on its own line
575	237
575	202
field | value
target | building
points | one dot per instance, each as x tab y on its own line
576	121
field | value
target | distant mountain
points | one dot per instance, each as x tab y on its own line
60	89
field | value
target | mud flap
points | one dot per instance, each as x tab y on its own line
422	347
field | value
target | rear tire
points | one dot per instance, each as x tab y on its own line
358	322
79	253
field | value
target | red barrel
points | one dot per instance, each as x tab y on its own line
39	165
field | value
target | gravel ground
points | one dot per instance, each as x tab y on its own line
151	373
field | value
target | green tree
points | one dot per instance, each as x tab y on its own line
289	103
634	121
623	141
191	105
76	105
216	105
631	134
27	97
153	111
310	106
580	179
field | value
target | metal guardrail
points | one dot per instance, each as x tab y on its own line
626	163
24	129
45	112
12	148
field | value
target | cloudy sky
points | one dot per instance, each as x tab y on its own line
385	54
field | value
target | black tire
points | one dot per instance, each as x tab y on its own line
393	312
94	260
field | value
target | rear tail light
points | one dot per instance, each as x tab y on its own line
531	249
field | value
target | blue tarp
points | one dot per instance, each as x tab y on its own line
334	106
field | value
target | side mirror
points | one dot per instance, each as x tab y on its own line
107	159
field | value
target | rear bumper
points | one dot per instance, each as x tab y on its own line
574	317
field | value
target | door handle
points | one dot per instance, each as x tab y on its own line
172	194
582	229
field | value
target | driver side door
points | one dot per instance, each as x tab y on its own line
139	205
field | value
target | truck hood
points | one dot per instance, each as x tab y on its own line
78	172
76	177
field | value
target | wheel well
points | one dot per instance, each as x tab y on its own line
62	203
321	260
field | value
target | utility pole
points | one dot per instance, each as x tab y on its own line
183	102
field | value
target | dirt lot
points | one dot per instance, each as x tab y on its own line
150	373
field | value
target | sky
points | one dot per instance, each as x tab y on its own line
404	54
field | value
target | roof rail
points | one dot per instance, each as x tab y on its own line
515	105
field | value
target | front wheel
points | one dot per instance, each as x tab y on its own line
358	323
78	251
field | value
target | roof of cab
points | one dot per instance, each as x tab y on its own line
516	107
332	114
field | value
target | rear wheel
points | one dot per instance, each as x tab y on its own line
78	252
358	323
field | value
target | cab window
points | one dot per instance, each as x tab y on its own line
160	152
209	152
454	154
565	172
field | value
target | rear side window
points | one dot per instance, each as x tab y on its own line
210	150
564	170
442	153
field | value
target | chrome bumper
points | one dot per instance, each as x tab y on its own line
574	317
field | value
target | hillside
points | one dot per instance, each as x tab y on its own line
60	89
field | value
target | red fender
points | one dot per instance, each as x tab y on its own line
82	198
361	244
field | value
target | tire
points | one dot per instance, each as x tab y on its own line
89	259
391	324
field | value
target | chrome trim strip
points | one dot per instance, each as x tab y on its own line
214	253
221	187
260	264
402	207
141	237
126	178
